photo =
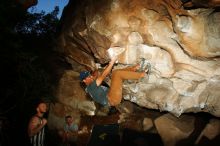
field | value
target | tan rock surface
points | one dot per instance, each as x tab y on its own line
182	46
172	129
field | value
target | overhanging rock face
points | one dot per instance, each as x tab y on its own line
182	47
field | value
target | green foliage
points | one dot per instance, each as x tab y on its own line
39	24
26	42
37	31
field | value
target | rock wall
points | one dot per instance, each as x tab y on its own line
182	47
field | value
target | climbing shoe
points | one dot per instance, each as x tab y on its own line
144	65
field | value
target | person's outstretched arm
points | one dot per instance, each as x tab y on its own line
106	71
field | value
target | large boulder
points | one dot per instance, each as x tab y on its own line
182	47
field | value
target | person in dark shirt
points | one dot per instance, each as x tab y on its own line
111	96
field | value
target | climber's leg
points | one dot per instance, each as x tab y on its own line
115	91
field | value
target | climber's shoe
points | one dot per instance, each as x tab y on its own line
144	65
